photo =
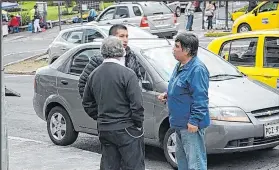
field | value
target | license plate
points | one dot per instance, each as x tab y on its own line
271	130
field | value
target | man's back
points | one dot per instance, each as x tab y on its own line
117	95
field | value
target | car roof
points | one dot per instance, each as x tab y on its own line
252	33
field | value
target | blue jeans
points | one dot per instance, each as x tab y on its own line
190	150
190	22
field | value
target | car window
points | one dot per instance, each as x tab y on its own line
81	59
271	52
162	59
92	34
122	12
65	35
137	11
108	15
75	37
269	6
241	52
155	8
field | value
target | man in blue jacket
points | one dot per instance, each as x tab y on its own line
187	99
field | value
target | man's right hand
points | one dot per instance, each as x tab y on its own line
163	97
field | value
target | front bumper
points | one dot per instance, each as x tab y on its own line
229	137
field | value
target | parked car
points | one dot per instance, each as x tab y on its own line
155	17
243	112
256	54
264	16
174	6
71	37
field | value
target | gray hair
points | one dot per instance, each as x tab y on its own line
189	42
112	47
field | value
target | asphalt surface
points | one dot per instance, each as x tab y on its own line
28	139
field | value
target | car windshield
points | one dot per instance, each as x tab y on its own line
163	61
134	32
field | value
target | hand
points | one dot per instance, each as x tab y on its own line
163	97
192	128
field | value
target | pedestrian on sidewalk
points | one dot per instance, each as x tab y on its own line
130	60
209	12
113	97
187	98
189	12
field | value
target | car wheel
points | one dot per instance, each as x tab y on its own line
169	145
244	28
60	127
178	11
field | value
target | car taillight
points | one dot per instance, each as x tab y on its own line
144	22
174	18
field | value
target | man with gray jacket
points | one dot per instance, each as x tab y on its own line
113	97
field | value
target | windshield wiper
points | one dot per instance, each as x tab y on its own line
225	75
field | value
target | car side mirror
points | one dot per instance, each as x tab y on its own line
146	85
255	12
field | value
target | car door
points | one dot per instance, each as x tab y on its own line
107	16
92	34
242	54
267	16
148	102
67	84
270	70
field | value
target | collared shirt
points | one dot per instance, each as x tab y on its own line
188	95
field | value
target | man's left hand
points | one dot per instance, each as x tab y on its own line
192	128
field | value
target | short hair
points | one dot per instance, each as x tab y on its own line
189	42
113	29
112	47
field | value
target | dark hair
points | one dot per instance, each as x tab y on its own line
113	30
189	42
12	16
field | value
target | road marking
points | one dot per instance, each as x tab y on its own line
26	140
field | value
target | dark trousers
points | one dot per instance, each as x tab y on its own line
122	149
209	18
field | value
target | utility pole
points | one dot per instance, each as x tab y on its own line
3	123
80	9
227	15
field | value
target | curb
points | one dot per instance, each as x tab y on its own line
20	72
18	61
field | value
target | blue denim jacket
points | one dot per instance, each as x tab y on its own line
188	95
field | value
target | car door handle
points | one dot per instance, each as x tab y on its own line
268	77
63	48
108	22
125	21
273	14
64	82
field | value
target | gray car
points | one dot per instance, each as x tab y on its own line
71	37
244	113
155	17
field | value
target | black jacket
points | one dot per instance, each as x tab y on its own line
115	102
130	62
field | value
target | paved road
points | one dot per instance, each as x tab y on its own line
23	124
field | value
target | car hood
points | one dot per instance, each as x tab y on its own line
246	94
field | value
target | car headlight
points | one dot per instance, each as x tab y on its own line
229	114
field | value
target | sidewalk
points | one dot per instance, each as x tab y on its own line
27	154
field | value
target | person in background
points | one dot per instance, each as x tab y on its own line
189	12
91	14
130	60
13	24
113	98
37	18
187	99
209	12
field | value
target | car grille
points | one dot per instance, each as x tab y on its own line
251	142
264	113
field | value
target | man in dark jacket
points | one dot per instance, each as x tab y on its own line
130	59
113	97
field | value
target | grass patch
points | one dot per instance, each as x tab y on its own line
27	66
216	34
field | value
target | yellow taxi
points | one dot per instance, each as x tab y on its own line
264	16
256	54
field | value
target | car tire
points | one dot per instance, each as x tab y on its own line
244	28
169	142
178	11
61	132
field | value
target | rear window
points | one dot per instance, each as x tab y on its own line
155	8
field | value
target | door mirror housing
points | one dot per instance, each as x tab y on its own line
147	85
255	12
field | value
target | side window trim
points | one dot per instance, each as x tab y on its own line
265	64
70	61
